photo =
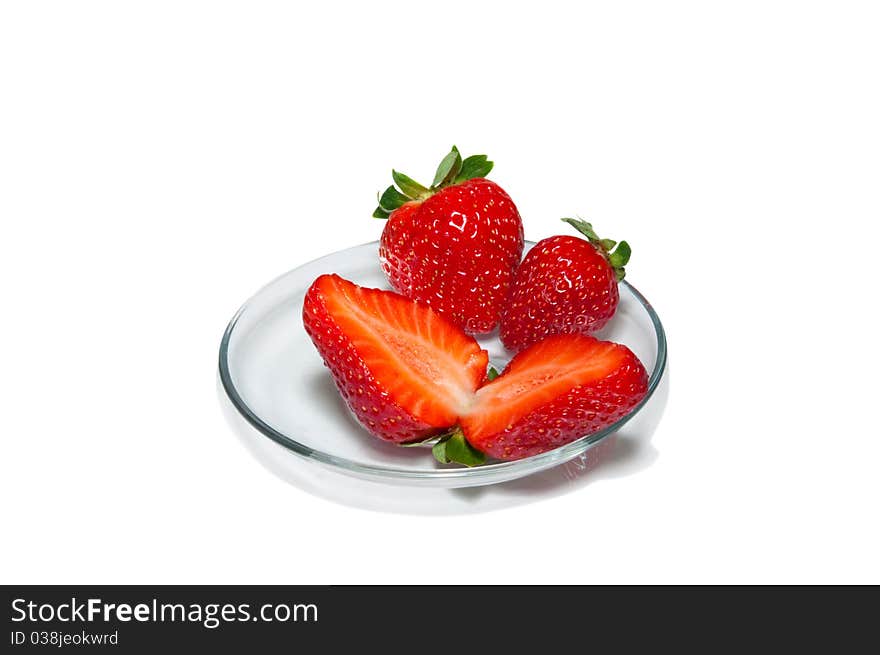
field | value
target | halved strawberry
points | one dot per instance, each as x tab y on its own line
553	393
405	371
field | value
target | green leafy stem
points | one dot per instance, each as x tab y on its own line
452	170
617	257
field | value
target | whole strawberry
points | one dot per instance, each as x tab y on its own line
453	245
565	285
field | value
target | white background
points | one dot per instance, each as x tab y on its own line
160	161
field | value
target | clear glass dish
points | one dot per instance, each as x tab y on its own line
275	378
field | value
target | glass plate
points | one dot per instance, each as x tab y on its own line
275	378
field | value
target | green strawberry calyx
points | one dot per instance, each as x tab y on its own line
617	257
454	448
451	448
451	171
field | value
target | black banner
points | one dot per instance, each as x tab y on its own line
146	619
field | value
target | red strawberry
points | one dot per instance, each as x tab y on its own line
564	285
405	371
453	246
552	393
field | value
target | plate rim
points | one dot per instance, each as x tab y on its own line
534	463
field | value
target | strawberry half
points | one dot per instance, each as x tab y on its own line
564	285
556	391
453	246
405	372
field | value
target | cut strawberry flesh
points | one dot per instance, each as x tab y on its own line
408	373
554	392
417	362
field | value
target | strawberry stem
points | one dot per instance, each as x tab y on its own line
617	257
455	448
409	186
451	171
473	167
448	169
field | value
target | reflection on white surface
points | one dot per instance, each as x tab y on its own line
625	453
